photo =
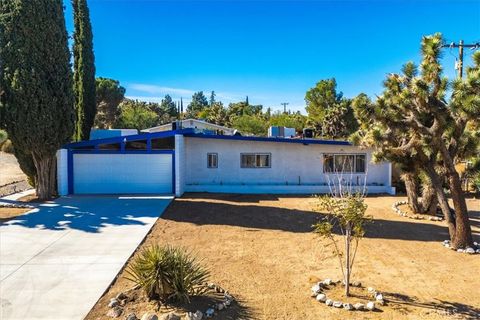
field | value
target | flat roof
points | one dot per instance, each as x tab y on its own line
190	132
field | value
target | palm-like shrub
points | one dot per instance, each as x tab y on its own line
168	273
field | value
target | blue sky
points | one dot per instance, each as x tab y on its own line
272	51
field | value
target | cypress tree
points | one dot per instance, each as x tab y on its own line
36	84
84	70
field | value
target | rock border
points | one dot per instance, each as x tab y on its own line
118	303
318	292
401	213
468	250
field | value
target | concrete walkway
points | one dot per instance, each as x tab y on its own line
57	260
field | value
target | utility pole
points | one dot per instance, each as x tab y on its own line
460	47
284	104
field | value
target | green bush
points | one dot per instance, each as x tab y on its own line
168	274
3	137
7	146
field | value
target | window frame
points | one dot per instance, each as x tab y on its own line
209	154
256	154
354	165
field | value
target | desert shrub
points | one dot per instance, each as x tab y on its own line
3	137
168	273
7	146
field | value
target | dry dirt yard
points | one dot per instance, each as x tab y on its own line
261	249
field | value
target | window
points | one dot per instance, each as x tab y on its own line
136	145
348	163
212	160
163	143
255	160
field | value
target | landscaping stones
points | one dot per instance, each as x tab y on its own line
359	306
371	305
113	303
337	304
348	306
198	315
115	312
131	316
397	210
149	316
321	297
316	289
469	250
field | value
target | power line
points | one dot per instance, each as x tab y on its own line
284	104
460	45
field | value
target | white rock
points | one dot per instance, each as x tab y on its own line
470	250
460	250
113	303
131	316
327	282
228	302
337	304
149	316
379	297
316	289
477	251
475	244
115	312
347	306
359	306
357	284
371	305
370	290
198	315
321	297
220	306
329	302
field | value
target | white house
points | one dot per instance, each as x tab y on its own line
193	160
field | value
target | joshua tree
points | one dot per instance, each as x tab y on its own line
429	128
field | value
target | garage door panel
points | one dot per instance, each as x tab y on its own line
122	173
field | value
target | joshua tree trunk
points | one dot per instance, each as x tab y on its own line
429	202
411	187
463	232
46	176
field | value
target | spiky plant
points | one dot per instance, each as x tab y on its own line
168	273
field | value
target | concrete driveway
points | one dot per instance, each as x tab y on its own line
57	260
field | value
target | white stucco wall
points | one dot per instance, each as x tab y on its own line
180	165
291	164
62	172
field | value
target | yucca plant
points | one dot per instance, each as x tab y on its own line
168	273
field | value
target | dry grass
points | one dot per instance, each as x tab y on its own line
261	249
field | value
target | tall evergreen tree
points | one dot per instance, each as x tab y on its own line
84	70
36	84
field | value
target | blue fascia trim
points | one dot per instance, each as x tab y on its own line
265	139
135	137
121	152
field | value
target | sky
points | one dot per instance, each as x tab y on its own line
270	51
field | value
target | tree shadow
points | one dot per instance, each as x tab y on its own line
89	213
441	306
200	211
